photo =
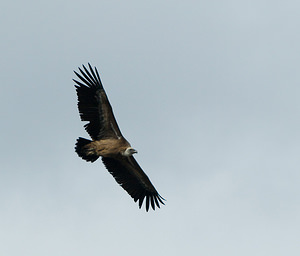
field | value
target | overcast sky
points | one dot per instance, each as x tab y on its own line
206	91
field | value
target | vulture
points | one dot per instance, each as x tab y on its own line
107	140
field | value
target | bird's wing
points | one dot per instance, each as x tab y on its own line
94	107
131	177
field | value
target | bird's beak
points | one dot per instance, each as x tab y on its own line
134	151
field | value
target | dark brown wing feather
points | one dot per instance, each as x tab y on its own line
94	107
131	177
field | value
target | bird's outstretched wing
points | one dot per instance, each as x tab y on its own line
94	107
131	177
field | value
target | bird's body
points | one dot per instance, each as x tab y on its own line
105	148
108	142
111	147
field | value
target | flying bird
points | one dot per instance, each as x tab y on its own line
107	140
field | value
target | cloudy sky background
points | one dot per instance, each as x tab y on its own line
207	91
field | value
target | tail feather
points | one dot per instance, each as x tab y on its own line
85	151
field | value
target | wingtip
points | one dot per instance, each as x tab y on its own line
152	200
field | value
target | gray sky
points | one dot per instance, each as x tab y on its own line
207	91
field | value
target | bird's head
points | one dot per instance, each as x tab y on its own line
129	151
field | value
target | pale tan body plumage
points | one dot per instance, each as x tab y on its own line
108	147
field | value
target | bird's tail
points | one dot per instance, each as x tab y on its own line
85	150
